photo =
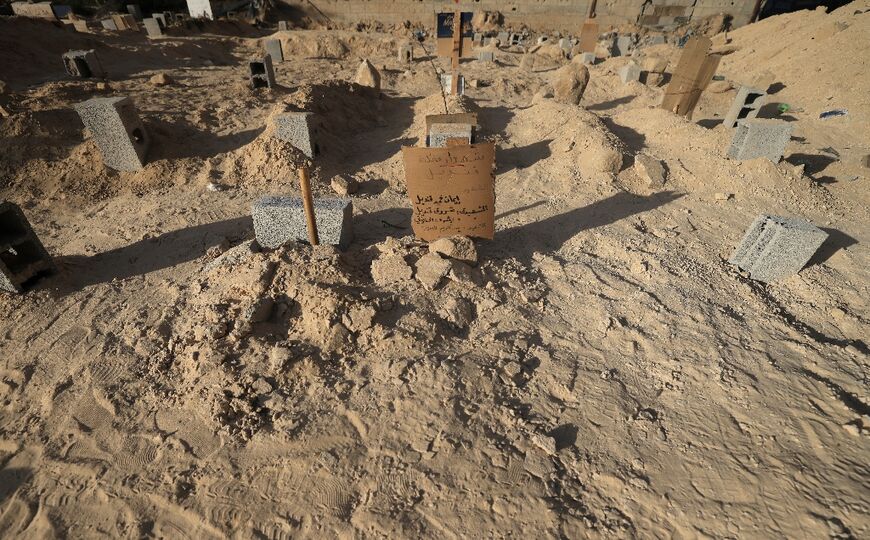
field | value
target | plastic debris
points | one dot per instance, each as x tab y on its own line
833	113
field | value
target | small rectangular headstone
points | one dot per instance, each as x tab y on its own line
83	64
152	27
777	247
273	48
261	72
278	220
24	257
119	133
441	134
757	137
298	129
747	103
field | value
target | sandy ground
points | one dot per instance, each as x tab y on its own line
603	371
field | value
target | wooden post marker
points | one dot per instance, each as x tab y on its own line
455	52
308	205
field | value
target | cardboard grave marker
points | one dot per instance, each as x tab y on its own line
694	72
589	37
452	190
444	26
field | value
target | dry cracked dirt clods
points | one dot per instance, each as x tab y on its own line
596	370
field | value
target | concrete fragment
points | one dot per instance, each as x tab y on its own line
757	138
391	268
629	72
777	247
83	64
117	130
262	73
460	248
569	83
650	170
431	269
440	134
23	259
586	58
367	75
298	129
273	49
278	220
622	45
746	105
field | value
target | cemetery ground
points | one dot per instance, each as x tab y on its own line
600	369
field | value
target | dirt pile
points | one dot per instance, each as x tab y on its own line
807	59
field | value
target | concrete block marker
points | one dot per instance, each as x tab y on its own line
135	11
587	58
273	49
278	220
152	27
109	24
23	259
117	130
82	26
83	64
443	135
629	72
758	137
447	80
406	53
283	26
486	56
262	72
503	37
162	19
745	106
298	129
777	247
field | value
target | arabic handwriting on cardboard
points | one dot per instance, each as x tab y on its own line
451	190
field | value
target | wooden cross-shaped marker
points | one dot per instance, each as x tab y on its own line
308	205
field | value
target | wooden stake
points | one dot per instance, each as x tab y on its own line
308	204
454	56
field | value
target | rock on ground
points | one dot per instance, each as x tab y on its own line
391	268
367	75
431	269
460	248
569	83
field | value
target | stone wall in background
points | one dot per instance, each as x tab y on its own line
563	15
